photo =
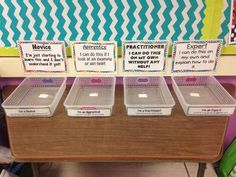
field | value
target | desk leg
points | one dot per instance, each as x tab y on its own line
35	169
201	169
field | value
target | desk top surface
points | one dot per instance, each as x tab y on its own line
118	138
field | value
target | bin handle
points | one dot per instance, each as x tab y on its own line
143	80
47	80
191	79
96	81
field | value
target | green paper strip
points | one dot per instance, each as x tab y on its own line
13	52
208	19
68	51
9	52
212	20
216	19
228	50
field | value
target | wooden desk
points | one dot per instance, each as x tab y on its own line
118	138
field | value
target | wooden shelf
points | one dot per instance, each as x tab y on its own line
118	138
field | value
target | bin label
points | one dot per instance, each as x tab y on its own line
144	56
149	111
211	111
89	112
43	56
27	112
95	57
196	56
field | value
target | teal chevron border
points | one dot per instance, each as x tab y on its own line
117	20
99	20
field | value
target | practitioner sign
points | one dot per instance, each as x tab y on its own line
144	56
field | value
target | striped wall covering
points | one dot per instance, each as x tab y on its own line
117	20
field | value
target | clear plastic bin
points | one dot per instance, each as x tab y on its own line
35	97
91	97
147	96
203	95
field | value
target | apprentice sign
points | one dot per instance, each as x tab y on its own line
43	56
144	56
196	56
98	57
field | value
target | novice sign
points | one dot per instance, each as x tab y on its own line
196	56
90	57
43	56
147	56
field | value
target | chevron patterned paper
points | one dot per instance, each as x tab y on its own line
117	20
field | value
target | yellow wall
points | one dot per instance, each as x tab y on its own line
12	67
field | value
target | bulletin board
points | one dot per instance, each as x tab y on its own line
114	20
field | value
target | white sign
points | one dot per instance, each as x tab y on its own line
211	111
149	111
146	56
43	56
89	112
99	57
27	112
196	56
